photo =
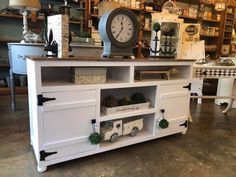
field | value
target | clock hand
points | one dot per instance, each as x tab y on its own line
119	32
120	29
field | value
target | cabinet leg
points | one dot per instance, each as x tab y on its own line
41	169
190	119
13	96
199	101
228	107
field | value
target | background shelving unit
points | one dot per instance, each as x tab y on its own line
228	25
12	29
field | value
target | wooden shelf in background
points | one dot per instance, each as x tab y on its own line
229	13
211	20
148	30
4	65
228	31
212	51
38	18
203	35
187	17
94	15
11	16
18	16
131	8
74	22
7	90
4	38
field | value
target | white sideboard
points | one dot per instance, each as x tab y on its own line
61	111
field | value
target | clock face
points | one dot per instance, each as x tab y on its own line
122	28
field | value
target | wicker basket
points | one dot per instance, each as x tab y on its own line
82	76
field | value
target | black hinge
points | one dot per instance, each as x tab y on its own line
42	99
185	124
188	86
44	154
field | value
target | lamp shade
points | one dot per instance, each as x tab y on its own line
27	4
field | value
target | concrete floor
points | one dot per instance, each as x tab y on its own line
207	150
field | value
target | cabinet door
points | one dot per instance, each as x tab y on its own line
174	99
66	124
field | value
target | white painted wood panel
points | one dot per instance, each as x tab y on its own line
67	123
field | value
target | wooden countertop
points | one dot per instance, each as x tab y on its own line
42	44
89	58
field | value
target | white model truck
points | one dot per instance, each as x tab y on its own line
111	130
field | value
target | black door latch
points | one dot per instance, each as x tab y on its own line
185	124
188	86
44	154
42	99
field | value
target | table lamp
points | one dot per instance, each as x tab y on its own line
25	5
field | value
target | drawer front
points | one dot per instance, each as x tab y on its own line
69	97
173	88
17	55
174	99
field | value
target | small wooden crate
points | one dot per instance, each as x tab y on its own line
82	76
125	108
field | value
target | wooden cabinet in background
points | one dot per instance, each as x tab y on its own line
228	25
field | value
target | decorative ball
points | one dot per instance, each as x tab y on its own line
165	30
138	98
95	138
156	26
110	101
124	101
172	32
163	123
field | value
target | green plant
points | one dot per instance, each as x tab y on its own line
110	101
165	30
156	26
124	101
95	138
138	98
84	34
172	32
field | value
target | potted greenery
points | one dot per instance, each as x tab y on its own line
111	104
83	38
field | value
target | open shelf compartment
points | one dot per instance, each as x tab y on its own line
64	76
149	93
125	126
159	73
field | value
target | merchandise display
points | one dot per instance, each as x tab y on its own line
102	75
